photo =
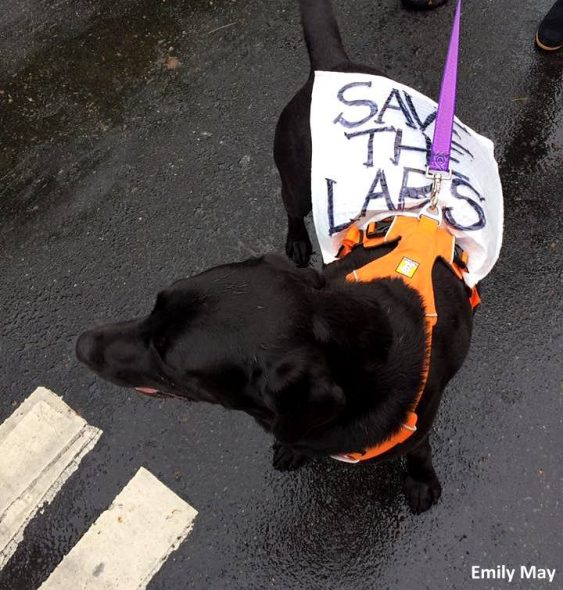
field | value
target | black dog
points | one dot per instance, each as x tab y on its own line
327	366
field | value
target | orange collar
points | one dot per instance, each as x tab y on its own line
420	242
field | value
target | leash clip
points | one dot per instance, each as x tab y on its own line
436	176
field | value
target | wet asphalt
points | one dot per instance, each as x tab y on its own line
122	169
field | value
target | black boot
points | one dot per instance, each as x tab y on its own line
550	32
423	4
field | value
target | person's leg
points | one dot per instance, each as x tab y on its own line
423	4
550	32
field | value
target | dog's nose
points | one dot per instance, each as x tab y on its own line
86	348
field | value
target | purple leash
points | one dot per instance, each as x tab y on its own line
440	152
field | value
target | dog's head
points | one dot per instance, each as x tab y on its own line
239	335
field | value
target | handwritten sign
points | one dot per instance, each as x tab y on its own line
371	144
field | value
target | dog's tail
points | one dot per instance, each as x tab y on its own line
322	35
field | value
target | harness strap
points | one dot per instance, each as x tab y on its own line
371	237
375	235
420	242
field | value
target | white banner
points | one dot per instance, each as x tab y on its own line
371	143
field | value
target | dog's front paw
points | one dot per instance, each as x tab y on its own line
422	494
299	250
285	459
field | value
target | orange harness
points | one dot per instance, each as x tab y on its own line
420	242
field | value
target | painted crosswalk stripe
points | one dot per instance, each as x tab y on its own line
41	444
129	542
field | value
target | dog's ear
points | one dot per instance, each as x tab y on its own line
302	395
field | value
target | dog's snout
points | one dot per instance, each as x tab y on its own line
87	348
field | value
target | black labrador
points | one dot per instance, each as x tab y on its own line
327	366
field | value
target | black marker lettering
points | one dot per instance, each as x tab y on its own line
373	194
371	132
460	180
399	147
428	121
399	107
333	229
412	192
355	103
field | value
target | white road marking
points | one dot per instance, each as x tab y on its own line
129	542
41	445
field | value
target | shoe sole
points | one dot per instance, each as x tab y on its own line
545	47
